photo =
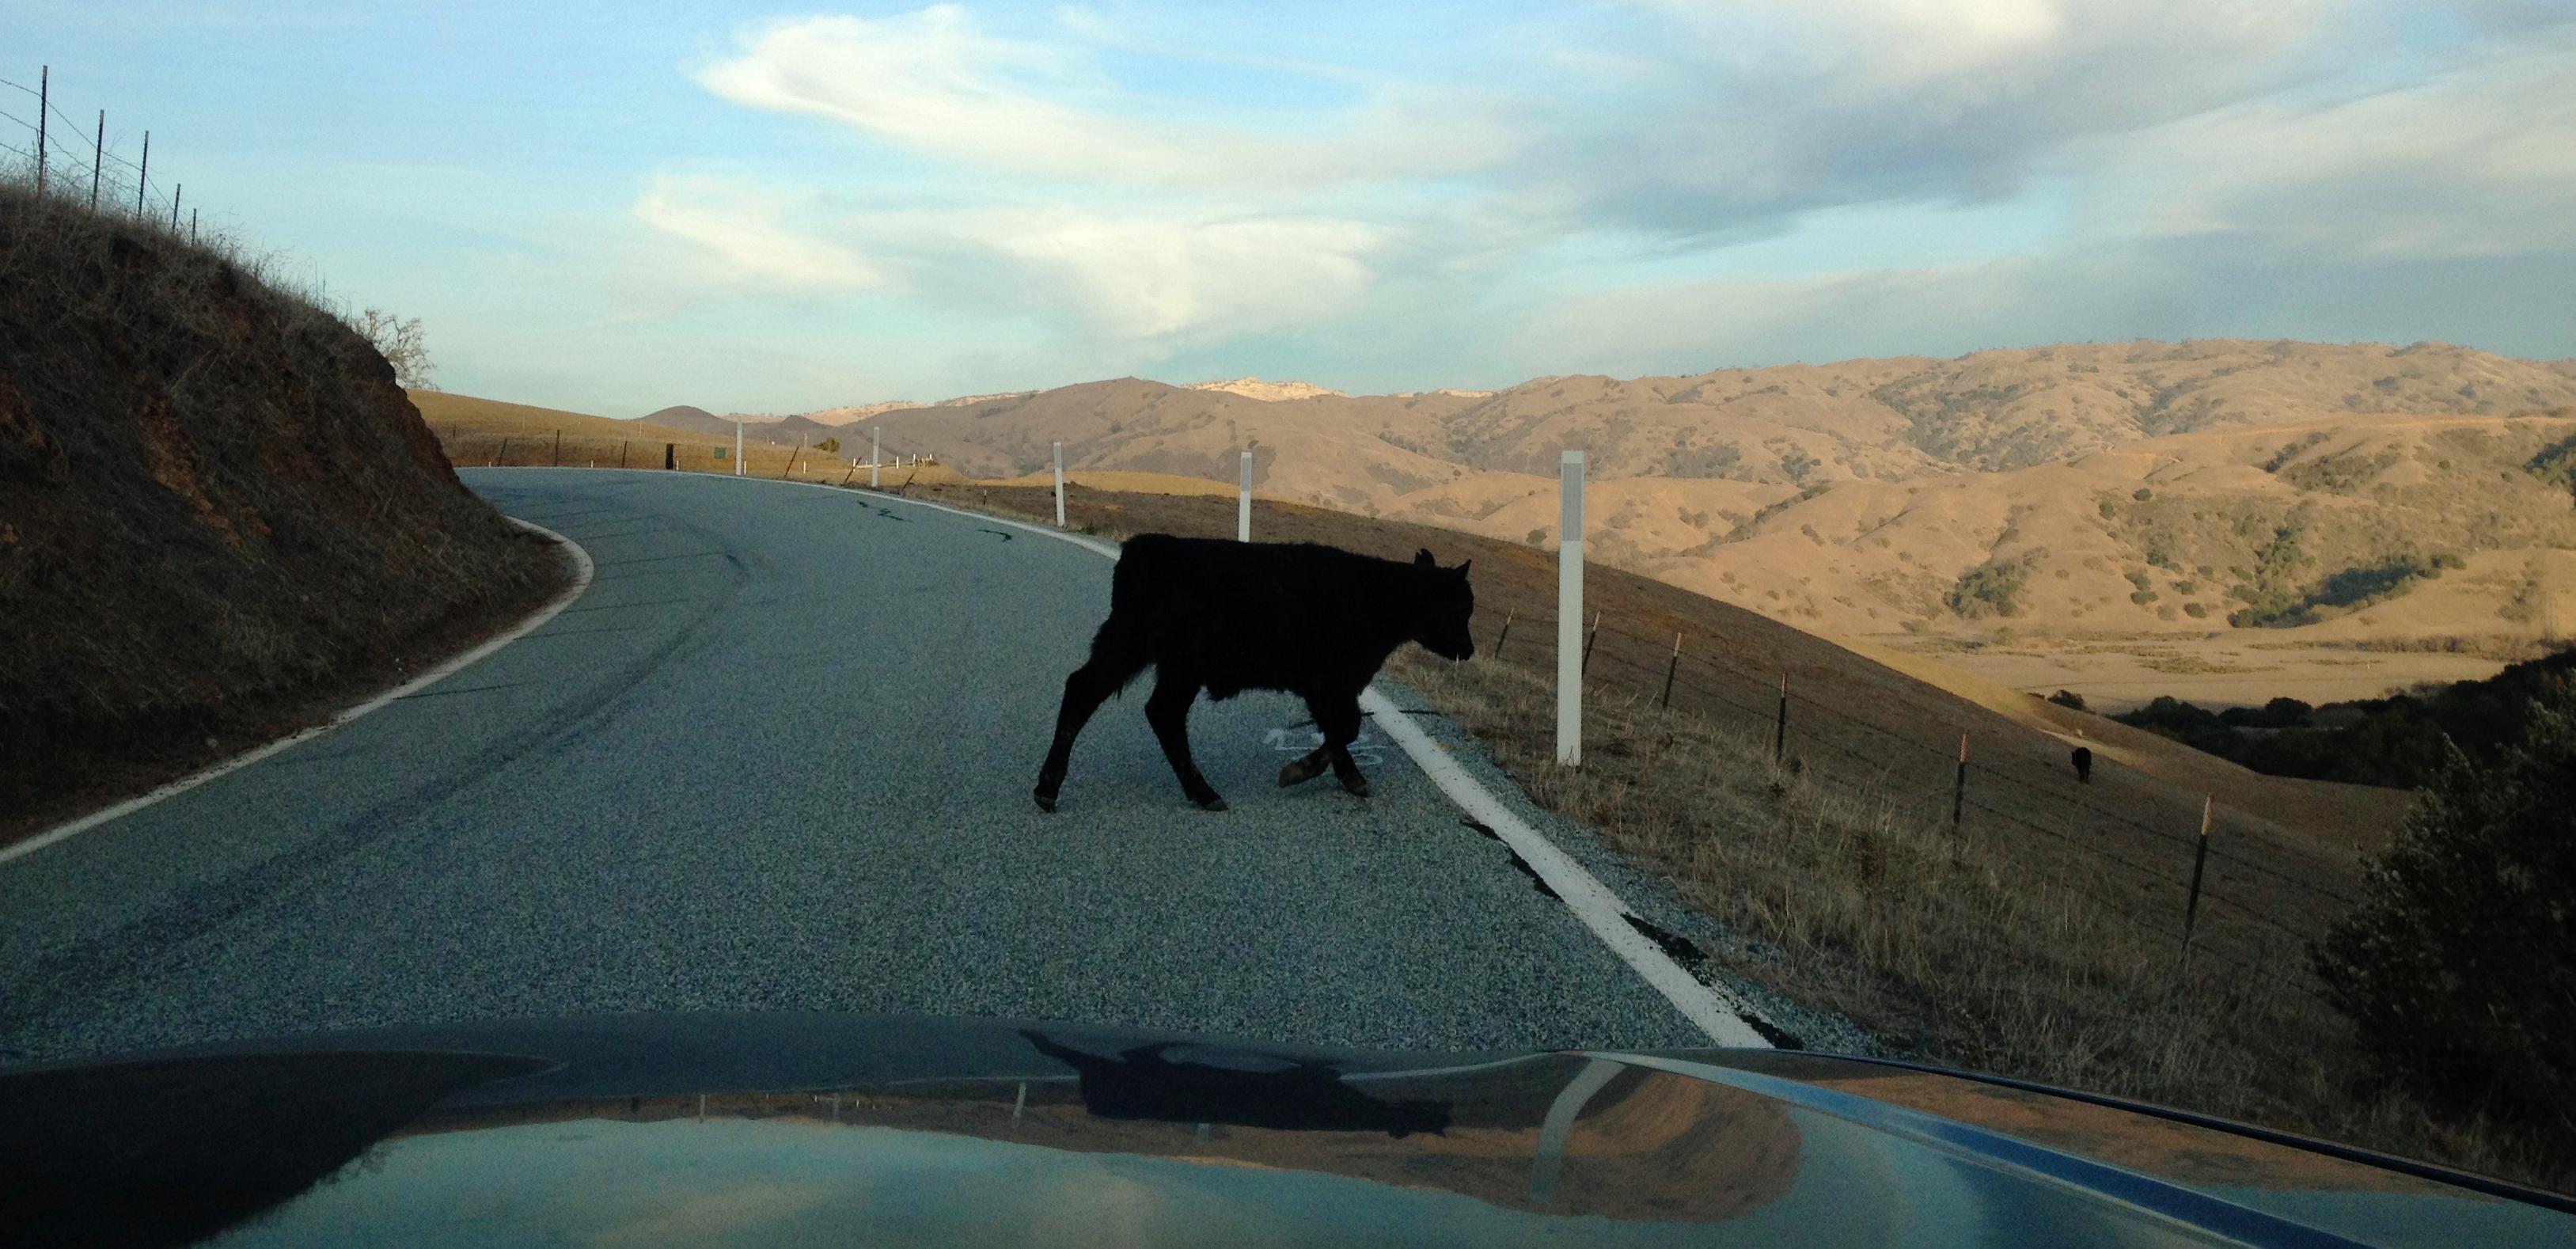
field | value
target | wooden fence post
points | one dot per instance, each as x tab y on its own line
1672	670
1591	636
2199	861
1959	793
1506	635
1780	725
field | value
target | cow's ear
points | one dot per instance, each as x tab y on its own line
1423	558
1461	569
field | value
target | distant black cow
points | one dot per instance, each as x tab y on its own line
1233	616
2084	764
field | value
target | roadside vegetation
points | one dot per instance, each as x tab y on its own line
1944	946
2459	967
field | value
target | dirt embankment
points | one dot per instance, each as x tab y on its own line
219	516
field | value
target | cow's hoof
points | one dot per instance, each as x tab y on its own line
1359	788
1046	801
1300	771
1210	803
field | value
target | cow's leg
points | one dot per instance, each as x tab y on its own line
1305	767
1116	657
1339	718
1310	765
1169	712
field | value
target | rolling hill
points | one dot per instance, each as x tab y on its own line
2351	490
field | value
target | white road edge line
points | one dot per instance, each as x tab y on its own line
582	572
1583	893
1710	1009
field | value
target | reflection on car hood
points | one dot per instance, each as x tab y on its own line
699	1129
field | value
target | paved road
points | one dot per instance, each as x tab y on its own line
778	758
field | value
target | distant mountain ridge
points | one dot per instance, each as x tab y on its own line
2140	485
1269	392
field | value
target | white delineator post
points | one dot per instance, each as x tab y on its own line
876	452
1243	504
737	444
1569	613
1059	485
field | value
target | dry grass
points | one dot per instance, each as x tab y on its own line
449	415
216	509
472	448
1939	940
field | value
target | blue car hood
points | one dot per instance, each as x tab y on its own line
768	1129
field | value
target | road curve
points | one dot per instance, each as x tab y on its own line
777	758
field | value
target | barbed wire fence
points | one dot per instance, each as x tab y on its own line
2200	889
65	158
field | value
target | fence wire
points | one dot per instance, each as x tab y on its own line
1703	680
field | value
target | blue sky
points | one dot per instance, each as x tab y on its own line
611	208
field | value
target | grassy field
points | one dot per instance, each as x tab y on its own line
455	415
2237	668
2040	936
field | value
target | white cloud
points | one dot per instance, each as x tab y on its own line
935	82
1752	113
1137	275
2480	160
744	238
2296	134
1183	279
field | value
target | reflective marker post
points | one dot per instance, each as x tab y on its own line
737	444
1243	504
1059	485
876	452
1569	613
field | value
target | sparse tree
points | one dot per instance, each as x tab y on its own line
402	345
829	446
2459	966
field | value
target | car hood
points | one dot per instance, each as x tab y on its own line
924	1131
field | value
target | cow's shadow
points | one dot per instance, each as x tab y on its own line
1141	1083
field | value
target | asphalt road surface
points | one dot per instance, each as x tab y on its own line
778	758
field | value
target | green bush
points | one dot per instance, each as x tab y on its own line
1992	588
2068	698
2458	968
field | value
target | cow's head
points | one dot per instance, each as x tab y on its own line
1440	623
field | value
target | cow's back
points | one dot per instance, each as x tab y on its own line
1243	615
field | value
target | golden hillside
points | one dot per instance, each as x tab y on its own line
2352	491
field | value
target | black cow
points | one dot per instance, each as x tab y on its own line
1312	620
2084	764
